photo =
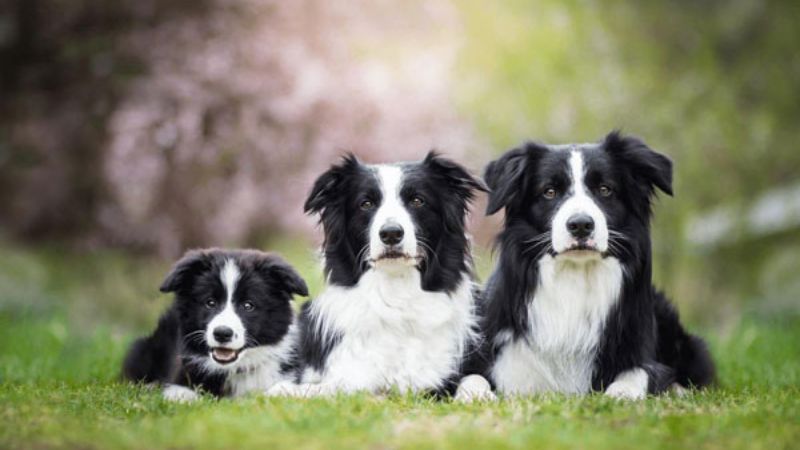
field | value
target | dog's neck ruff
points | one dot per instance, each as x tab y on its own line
392	334
566	315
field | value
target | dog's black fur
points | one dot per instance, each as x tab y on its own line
177	351
643	328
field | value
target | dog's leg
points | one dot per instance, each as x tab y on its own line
629	385
474	388
180	394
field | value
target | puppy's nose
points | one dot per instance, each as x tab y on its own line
580	226
391	233
223	334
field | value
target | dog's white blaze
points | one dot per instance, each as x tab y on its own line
392	209
580	202
631	385
227	317
392	334
566	318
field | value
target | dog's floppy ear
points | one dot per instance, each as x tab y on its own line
327	185
182	271
457	176
645	163
275	268
505	177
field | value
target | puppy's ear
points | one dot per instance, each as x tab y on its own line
193	262
457	176
505	177
645	164
327	185
284	275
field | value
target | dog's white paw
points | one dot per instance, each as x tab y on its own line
303	390
180	394
474	388
629	385
679	391
284	388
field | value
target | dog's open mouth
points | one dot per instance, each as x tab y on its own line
224	355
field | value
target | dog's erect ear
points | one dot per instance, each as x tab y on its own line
456	175
327	185
193	262
279	271
645	163
505	177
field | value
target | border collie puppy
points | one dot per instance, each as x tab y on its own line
570	306
230	330
398	311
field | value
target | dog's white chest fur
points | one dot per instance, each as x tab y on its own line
566	317
260	367
392	333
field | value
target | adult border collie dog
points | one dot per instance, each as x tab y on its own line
398	312
570	306
230	330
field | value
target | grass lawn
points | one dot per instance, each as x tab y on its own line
65	322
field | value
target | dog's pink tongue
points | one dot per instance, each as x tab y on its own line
224	354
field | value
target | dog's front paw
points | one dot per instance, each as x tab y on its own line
283	389
630	385
474	388
180	394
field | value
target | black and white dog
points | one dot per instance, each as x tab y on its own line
571	307
230	330
398	311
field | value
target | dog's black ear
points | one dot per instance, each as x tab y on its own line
327	185
456	175
505	177
193	262
284	275
645	164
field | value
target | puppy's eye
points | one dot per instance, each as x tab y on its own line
550	193
604	190
211	303
248	306
417	201
366	205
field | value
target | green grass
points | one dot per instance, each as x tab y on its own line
59	363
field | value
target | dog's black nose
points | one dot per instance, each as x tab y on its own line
580	226
223	334
391	234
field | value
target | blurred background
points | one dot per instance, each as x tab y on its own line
132	130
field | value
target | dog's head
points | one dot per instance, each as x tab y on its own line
230	302
579	201
394	218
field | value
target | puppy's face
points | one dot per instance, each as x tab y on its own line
389	217
580	201
232	301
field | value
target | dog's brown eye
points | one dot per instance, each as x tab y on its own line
211	303
366	205
417	201
248	306
549	193
605	191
